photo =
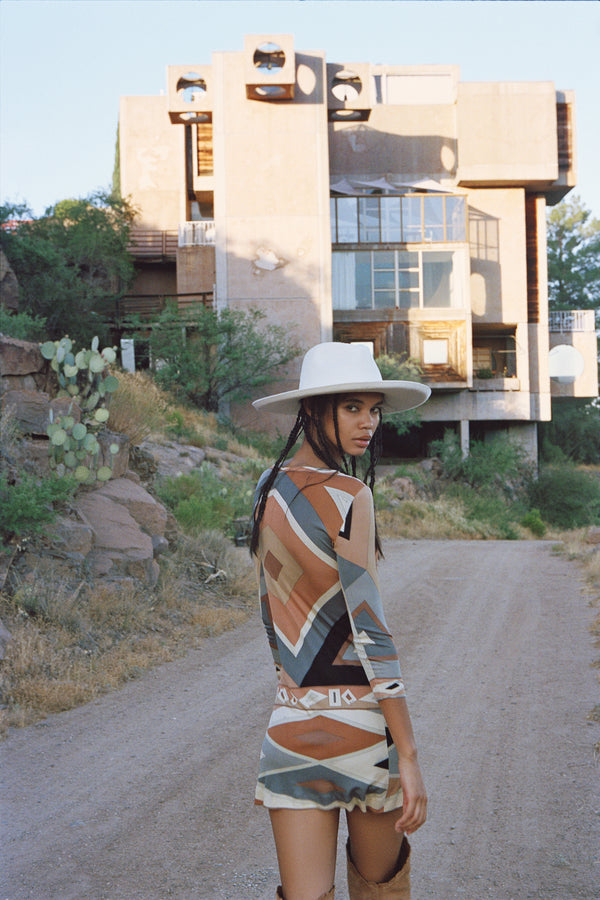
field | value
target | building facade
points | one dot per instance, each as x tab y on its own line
394	205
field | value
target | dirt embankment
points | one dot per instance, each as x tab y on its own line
146	794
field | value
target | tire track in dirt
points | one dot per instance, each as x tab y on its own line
146	794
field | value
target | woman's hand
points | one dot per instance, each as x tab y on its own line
414	804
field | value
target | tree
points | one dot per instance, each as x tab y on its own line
72	263
573	256
207	356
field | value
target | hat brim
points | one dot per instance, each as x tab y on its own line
398	396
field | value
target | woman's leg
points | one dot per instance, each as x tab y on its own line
306	842
374	844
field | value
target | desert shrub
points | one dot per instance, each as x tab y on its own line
533	521
496	465
22	325
28	504
573	433
201	500
566	496
138	407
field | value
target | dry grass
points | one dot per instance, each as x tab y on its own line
442	519
138	407
71	644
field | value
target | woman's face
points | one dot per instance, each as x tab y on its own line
358	416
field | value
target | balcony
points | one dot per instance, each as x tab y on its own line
145	306
564	321
151	244
197	234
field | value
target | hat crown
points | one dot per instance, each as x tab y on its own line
333	363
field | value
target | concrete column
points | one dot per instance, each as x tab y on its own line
464	437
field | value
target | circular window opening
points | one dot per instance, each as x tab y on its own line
191	87
346	86
270	90
269	56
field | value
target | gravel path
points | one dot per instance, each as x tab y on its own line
146	794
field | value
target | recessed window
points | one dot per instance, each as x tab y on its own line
269	57
191	87
270	90
435	352
398	279
194	118
346	86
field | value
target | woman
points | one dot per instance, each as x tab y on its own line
340	735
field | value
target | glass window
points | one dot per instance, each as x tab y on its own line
363	280
433	215
381	279
347	223
391	223
368	217
437	276
456	219
412	229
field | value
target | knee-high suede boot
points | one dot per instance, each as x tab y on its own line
328	896
397	888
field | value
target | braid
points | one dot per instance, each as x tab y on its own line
259	509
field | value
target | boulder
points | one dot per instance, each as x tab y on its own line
149	514
172	459
19	357
118	462
405	488
9	286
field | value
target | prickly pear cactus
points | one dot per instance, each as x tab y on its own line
84	377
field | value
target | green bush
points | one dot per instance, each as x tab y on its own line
203	501
573	433
28	505
533	521
22	325
496	465
566	497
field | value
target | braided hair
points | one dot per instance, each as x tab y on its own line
309	422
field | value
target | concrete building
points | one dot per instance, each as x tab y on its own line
394	205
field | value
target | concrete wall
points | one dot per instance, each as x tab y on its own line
152	162
272	200
507	133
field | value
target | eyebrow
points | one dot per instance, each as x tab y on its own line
357	400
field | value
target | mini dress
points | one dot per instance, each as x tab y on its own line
326	744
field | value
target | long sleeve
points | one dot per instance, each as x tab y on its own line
265	611
355	550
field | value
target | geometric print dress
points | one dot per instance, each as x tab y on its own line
326	743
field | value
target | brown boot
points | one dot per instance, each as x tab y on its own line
397	888
328	896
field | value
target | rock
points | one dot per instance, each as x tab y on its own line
160	544
593	535
70	539
32	455
17	383
19	357
405	488
149	514
433	465
9	286
5	639
118	462
172	459
30	409
142	463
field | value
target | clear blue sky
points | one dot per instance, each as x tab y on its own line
65	63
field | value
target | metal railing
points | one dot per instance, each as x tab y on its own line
149	243
146	305
195	234
564	320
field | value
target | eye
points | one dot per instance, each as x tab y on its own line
376	411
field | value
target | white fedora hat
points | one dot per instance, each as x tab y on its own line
335	368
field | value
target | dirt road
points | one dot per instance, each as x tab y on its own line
146	794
